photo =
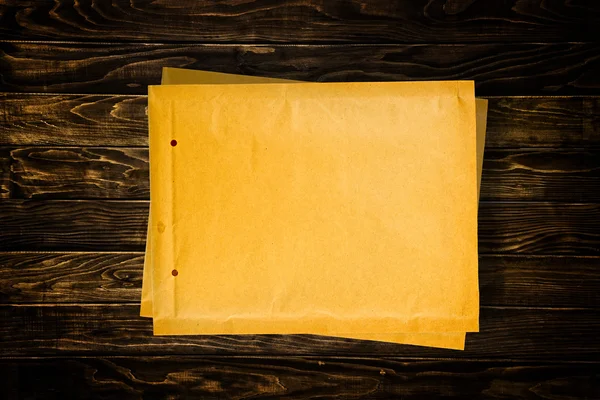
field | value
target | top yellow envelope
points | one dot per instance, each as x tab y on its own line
338	205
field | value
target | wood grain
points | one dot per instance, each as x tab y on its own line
549	175
97	120
506	333
294	378
539	281
498	69
543	122
104	225
74	120
122	173
79	277
35	277
309	21
73	225
80	173
5	181
538	228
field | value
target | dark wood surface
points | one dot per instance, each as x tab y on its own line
119	68
74	194
295	378
310	21
507	333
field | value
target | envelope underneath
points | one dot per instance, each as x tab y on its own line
448	340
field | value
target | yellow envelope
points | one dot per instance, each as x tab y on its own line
452	340
314	96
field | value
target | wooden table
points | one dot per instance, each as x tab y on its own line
74	193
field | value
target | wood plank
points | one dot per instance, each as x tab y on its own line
78	277
34	119
539	228
547	175
112	225
506	333
543	122
73	225
67	172
122	173
308	21
5	182
539	281
498	69
35	277
293	378
100	120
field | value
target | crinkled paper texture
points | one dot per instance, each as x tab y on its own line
451	340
